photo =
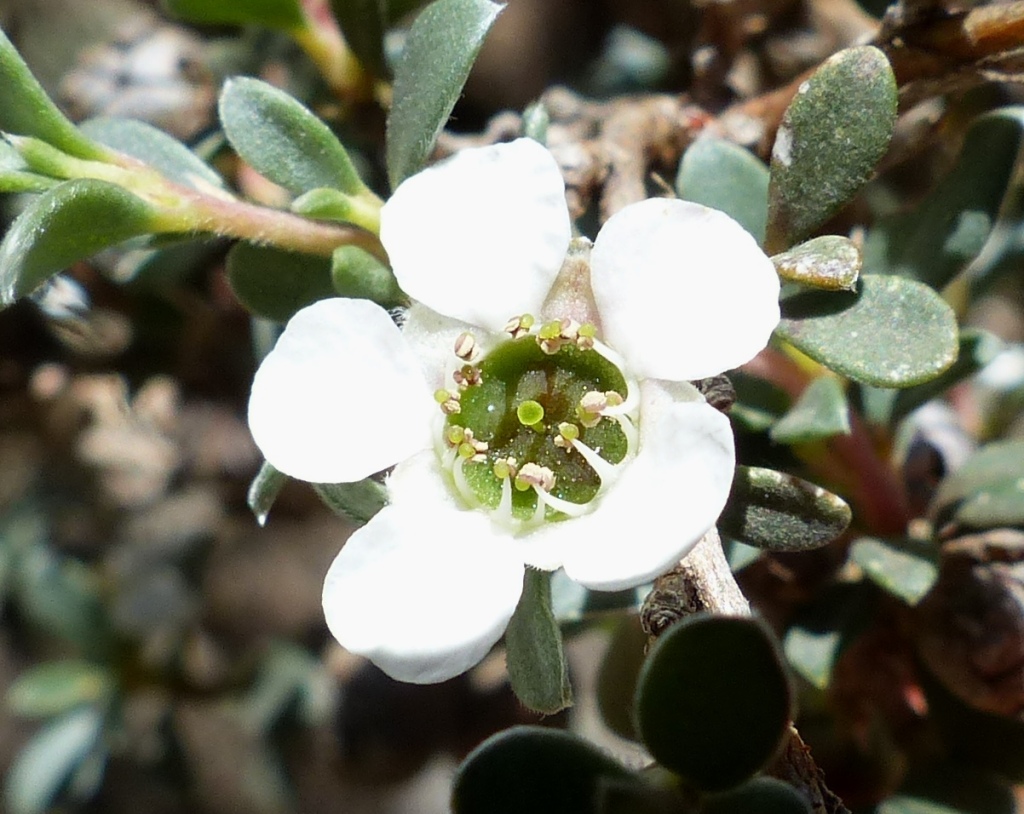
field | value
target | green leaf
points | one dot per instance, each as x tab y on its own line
49	235
57	686
263	491
274	283
355	501
42	768
533	770
357	273
935	242
364	24
780	512
26	110
15	181
717	173
713	700
154	147
890	332
831	263
832	135
617	677
537	669
820	412
279	138
977	349
763	795
441	48
905	568
989	480
277	14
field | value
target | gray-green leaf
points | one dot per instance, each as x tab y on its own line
717	173
26	110
273	283
832	135
820	412
43	767
164	153
263	491
537	668
780	512
934	242
904	568
57	686
282	140
830	262
70	222
441	48
890	332
357	501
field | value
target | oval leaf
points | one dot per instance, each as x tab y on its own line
890	332
537	669
274	283
904	568
616	680
820	412
713	701
154	147
832	135
26	110
42	768
358	274
357	501
276	135
440	49
717	173
994	468
263	491
279	14
937	240
780	512
54	687
831	262
51	234
764	795
535	770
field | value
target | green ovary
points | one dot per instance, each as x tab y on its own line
519	382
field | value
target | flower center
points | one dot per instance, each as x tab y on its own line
540	426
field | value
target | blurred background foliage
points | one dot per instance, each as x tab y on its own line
161	651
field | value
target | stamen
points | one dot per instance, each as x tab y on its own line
462	485
558	504
467	376
465	346
448	401
567	433
519	326
607	472
454	435
532	474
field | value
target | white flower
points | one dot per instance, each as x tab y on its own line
623	474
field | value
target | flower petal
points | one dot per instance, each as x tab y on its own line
684	291
340	396
666	499
423	593
480	237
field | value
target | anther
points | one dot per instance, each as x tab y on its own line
448	401
533	474
519	326
567	433
467	376
465	346
505	468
